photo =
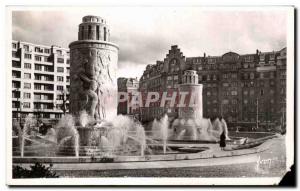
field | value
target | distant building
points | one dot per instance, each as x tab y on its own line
40	81
130	86
233	84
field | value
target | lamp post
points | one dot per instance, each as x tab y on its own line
256	113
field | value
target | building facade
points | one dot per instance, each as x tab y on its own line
40	81
247	90
130	87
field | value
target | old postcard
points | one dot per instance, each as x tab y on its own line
149	95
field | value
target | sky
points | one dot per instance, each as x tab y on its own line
145	34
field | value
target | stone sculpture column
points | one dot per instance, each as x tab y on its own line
93	82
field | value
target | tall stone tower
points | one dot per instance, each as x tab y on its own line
93	68
190	84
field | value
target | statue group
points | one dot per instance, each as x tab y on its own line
92	78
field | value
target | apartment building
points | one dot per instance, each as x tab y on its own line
247	90
40	81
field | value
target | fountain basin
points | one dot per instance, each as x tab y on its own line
208	154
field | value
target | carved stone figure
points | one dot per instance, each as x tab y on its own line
93	86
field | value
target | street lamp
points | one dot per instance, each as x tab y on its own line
256	113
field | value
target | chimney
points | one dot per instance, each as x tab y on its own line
204	55
257	51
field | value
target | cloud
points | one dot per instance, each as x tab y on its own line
145	34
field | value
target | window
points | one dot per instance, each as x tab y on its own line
37	86
234	84
16	74
16	64
14	45
60	69
245	101
58	115
27	76
105	35
37	77
48	78
208	93
37	97
225	84
26	105
48	87
60	97
234	93
225	76
68	70
27	85
59	52
16	84
27	65
60	60
48	68
26	47
261	75
38	58
16	94
47	50
245	92
208	77
26	95
38	49
68	61
61	88
261	92
38	67
234	101
252	75
14	54
14	115
37	106
60	78
27	56
214	77
252	92
225	101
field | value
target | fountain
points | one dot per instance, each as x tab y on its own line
190	124
94	133
160	130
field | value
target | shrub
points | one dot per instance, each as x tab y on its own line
36	171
